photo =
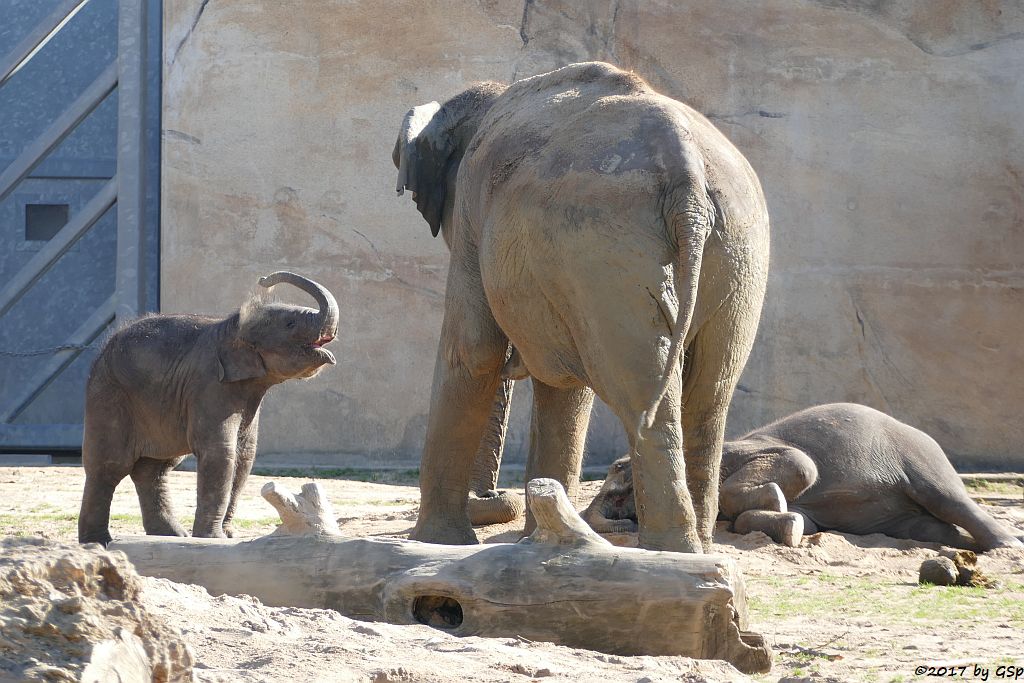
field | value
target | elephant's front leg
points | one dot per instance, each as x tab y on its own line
246	454
466	376
215	472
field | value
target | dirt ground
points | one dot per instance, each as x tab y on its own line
837	608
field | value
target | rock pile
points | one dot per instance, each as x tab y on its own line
72	613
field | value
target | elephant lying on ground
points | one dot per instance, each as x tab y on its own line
169	385
606	231
836	467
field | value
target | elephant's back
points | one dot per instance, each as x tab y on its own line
147	348
583	158
596	120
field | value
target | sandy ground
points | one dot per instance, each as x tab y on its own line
837	608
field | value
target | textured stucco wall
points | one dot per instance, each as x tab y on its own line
887	135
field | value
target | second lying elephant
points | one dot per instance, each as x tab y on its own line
841	467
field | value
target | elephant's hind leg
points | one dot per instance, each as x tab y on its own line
106	462
150	478
932	483
948	508
928	529
714	362
664	507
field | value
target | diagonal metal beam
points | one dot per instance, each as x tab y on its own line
58	130
24	50
44	259
85	334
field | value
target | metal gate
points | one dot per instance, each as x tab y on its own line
79	200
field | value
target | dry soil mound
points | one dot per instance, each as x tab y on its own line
70	613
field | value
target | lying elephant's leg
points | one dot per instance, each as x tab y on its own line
558	432
786	528
738	494
932	483
768	481
925	527
955	507
602	525
150	478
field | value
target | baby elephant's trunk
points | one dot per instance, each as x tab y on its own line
328	316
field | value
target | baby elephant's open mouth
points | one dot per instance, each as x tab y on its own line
324	339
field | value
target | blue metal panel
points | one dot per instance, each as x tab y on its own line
83	278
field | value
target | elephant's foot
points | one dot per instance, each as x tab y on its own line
786	528
209	531
672	540
445	534
163	527
102	537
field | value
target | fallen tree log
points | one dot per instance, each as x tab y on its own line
563	584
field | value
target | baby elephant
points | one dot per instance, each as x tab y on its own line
841	467
169	385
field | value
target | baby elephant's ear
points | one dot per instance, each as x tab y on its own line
239	361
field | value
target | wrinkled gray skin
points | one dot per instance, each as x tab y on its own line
838	467
169	385
602	229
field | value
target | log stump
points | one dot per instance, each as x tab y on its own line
562	584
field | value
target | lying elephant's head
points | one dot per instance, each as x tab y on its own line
616	495
431	142
278	341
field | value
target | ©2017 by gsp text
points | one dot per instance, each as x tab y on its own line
976	672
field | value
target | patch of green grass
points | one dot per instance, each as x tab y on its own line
255	523
30	524
825	596
39	516
393	477
987	486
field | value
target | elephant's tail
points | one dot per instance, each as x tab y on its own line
689	215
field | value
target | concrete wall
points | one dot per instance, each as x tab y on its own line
887	135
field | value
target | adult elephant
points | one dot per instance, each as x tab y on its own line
603	229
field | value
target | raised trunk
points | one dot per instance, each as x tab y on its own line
328	315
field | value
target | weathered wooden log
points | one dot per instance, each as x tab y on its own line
563	584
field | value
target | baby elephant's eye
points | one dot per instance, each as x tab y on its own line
290	324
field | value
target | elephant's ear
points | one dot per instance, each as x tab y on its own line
239	361
423	154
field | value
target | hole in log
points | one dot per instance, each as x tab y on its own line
438	611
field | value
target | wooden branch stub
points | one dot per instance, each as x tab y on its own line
558	523
309	512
